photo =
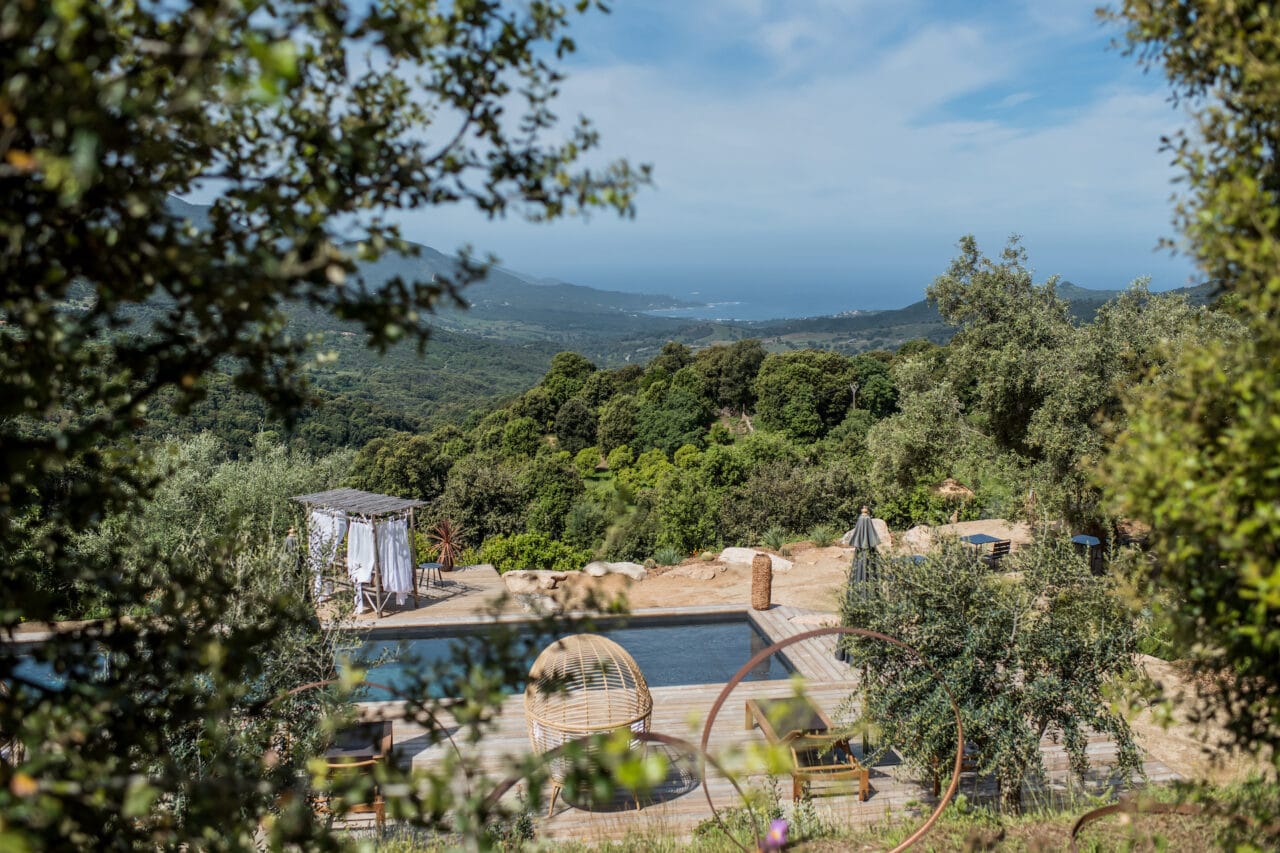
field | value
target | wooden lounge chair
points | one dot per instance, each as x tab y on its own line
817	755
359	749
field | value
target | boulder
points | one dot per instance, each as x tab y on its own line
918	539
538	604
599	568
523	581
520	582
635	571
738	555
882	530
550	580
744	556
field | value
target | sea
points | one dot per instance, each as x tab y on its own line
780	303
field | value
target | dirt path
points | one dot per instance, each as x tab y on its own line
814	582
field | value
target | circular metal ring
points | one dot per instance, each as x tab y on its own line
765	653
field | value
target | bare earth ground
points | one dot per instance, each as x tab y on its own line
814	582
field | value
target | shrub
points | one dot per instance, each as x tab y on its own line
1022	654
774	538
532	551
822	535
667	556
620	457
586	460
585	524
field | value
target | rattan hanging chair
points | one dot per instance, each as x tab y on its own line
582	685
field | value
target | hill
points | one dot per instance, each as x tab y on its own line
502	344
861	331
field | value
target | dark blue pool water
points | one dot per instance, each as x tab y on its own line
692	651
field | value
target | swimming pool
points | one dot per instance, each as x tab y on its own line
670	652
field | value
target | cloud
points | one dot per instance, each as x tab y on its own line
863	159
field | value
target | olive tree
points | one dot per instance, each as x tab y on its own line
1023	653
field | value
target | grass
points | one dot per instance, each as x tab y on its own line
976	829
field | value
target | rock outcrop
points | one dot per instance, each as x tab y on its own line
918	539
600	568
744	556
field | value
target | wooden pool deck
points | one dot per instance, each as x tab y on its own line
679	804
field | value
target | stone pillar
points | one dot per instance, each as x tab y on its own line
761	582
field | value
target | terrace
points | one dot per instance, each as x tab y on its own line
678	805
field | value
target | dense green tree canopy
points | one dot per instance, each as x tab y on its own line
1200	457
804	393
411	466
575	426
1009	329
567	375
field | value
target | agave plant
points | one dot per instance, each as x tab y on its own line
774	538
446	539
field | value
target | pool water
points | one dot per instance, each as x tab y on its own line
692	651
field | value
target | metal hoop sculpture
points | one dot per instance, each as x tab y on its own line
1131	806
764	654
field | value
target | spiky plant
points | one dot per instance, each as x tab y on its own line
446	539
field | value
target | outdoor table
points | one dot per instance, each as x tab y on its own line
431	571
980	539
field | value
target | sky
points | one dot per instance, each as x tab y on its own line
836	150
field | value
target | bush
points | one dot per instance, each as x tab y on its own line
585	524
822	535
532	551
774	538
1022	654
667	556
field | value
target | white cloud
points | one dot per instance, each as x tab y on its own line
847	160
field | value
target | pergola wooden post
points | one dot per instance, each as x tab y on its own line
372	508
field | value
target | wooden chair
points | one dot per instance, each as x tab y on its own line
359	749
804	729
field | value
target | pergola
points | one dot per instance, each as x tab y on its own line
372	508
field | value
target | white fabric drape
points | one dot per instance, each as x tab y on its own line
325	530
394	557
324	534
360	552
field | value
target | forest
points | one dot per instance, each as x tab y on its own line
733	445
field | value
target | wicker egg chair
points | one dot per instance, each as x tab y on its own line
582	685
